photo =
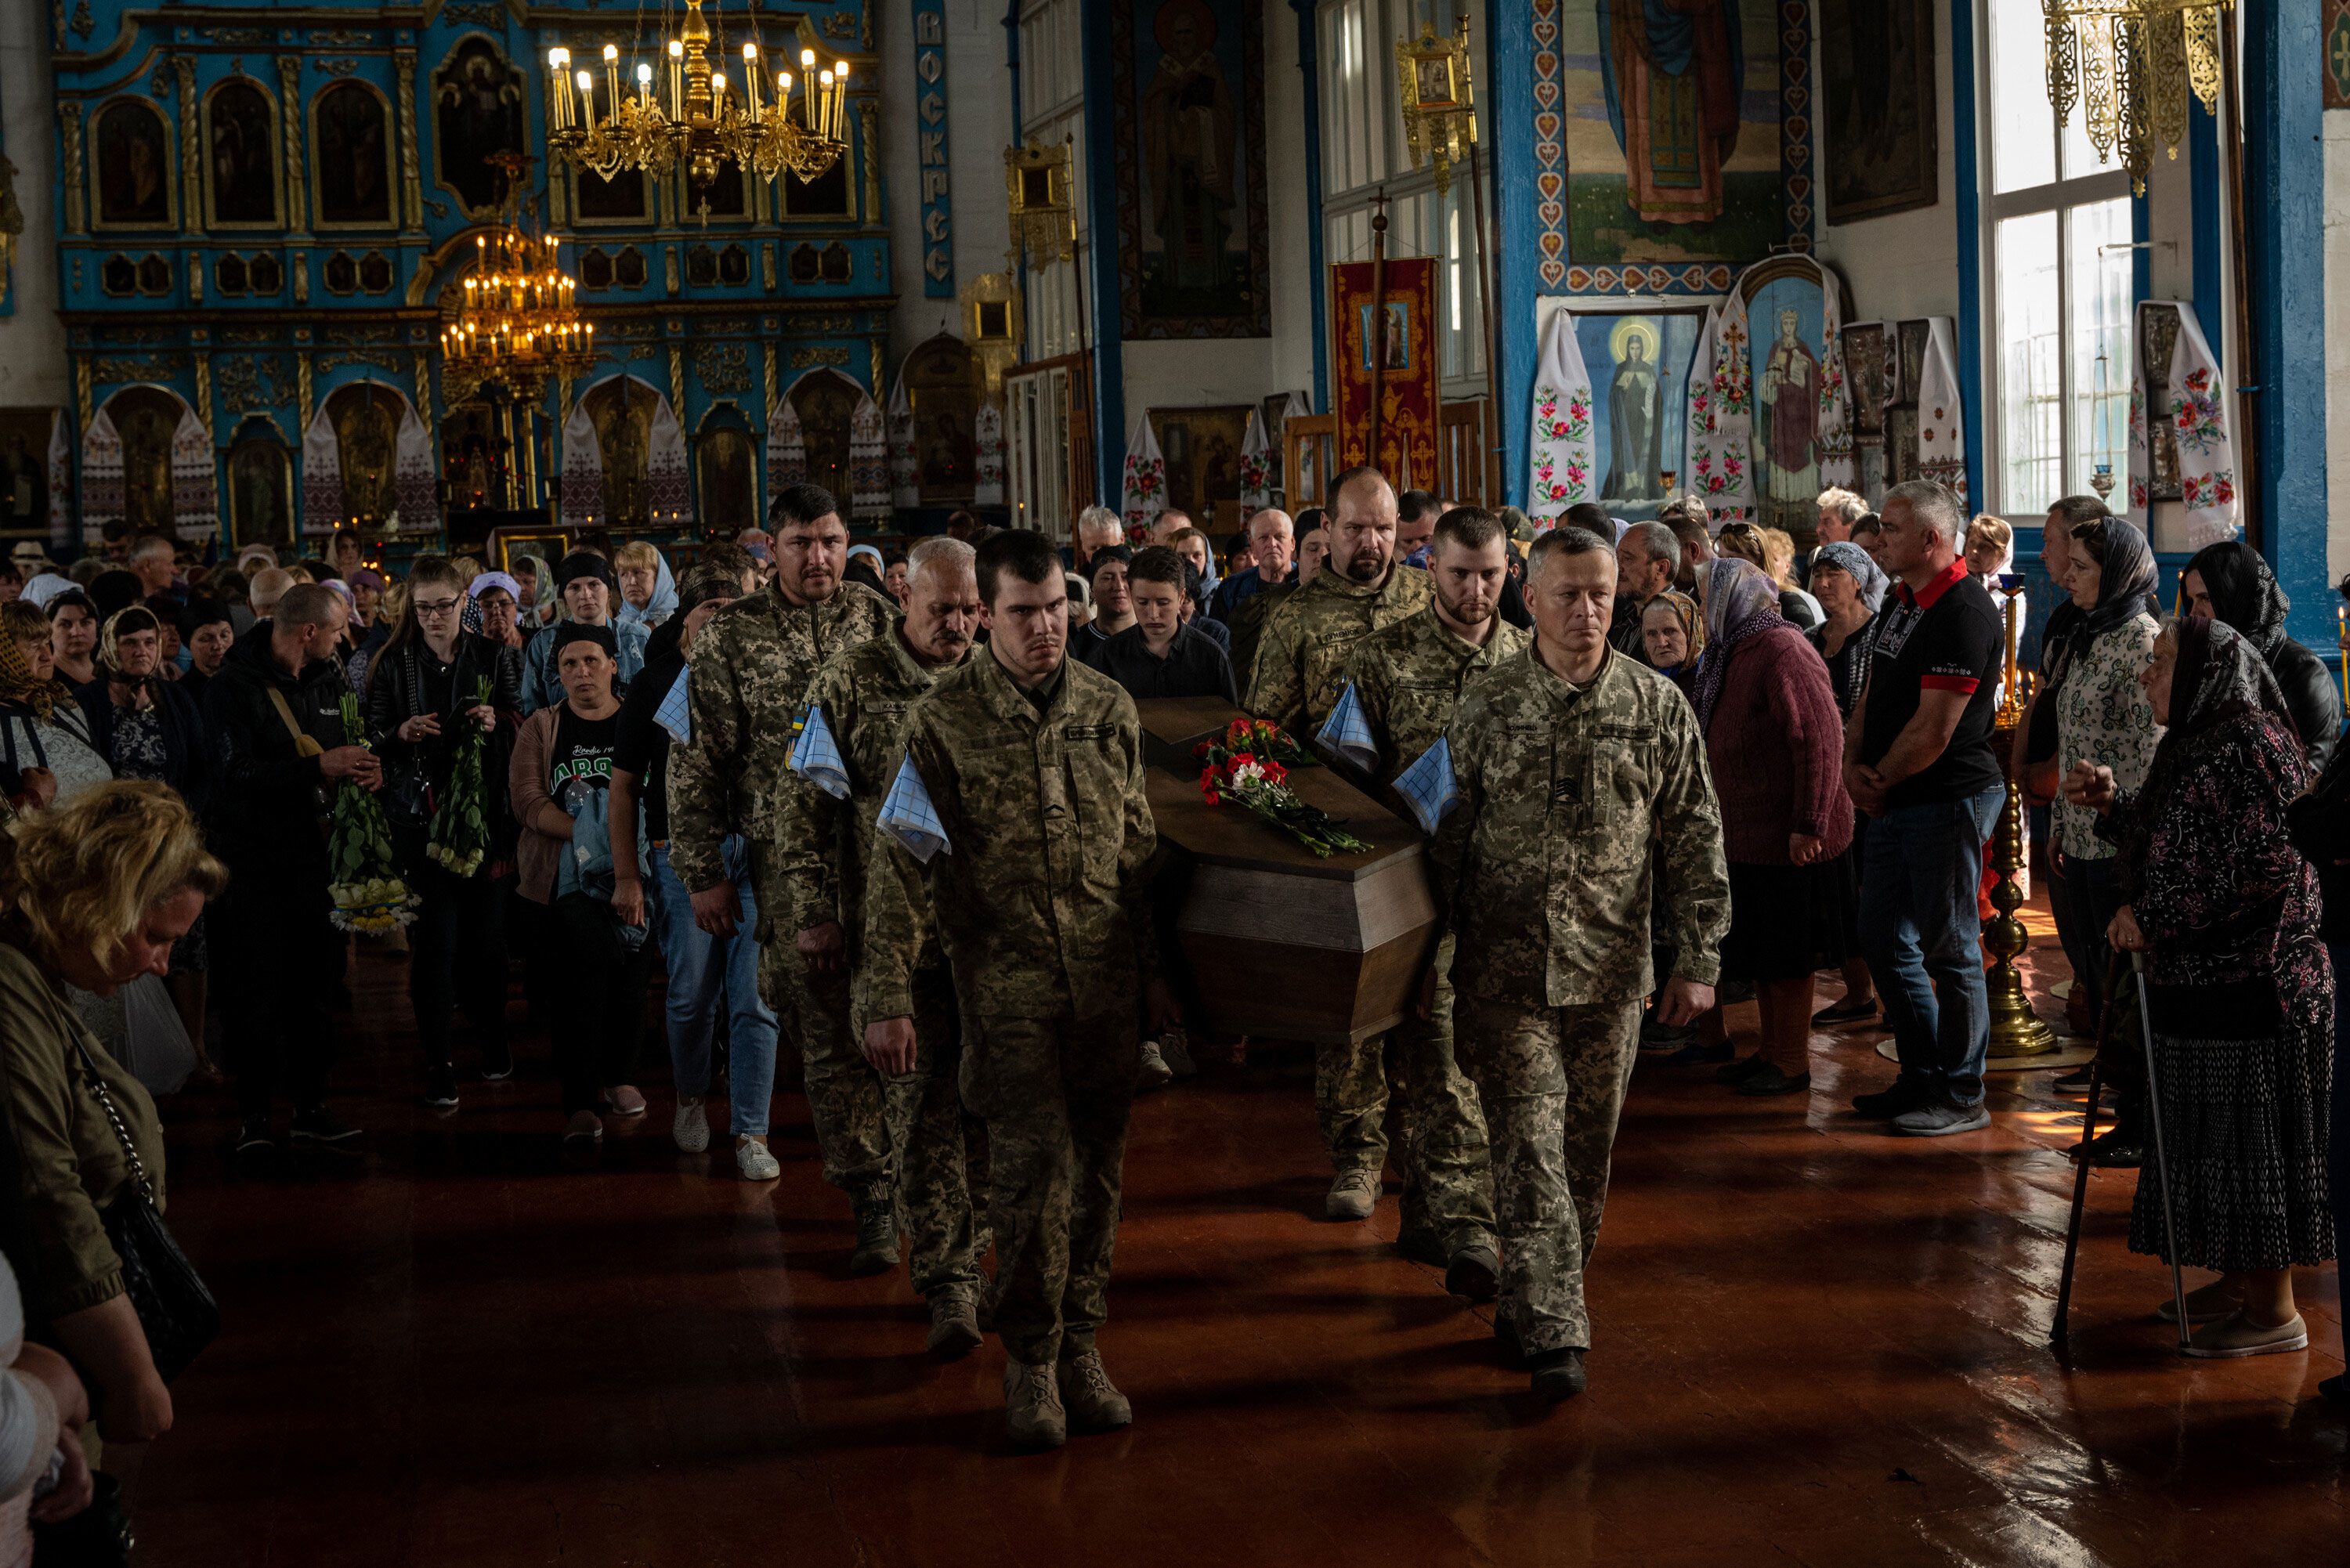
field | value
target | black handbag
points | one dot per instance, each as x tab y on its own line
173	1305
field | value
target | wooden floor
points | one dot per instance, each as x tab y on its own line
1815	1344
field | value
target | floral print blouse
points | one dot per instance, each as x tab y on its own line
2103	714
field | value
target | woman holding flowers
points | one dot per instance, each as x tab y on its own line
436	695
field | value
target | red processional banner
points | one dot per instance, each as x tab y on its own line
1402	384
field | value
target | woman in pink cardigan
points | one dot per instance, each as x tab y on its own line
1776	743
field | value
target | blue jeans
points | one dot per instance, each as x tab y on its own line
703	973
1922	936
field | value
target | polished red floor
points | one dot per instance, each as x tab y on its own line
1815	1344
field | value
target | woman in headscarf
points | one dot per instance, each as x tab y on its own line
866	566
2225	910
46	755
1745	542
648	590
2230	583
1850	587
1771	724
536	602
1672	637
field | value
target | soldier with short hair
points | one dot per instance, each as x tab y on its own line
1018	830
1298	674
747	691
1566	762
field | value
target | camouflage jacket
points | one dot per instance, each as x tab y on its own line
751	669
867	694
1545	866
1039	897
1308	635
1408	678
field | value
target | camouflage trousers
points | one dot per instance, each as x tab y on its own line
1553	1080
844	1090
1440	1147
1054	1093
926	1136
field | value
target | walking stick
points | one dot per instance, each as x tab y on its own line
2059	1331
2161	1156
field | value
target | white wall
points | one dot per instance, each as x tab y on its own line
979	128
33	370
1904	265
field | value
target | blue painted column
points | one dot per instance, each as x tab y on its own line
1510	71
1968	162
1310	66
1103	322
2284	188
2203	218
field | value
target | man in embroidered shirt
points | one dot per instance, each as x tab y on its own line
1918	760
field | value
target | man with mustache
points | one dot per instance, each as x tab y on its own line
1300	666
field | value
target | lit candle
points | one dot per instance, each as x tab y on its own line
557	64
751	78
644	83
612	75
839	96
824	103
586	99
676	79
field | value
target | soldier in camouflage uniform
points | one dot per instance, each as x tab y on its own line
865	697
751	669
1407	681
1567	763
1033	766
1308	635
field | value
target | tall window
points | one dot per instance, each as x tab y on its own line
1052	89
2059	280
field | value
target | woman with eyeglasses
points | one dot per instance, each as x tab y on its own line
422	695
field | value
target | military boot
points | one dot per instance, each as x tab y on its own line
1558	1374
954	1322
876	1236
1032	1407
1093	1403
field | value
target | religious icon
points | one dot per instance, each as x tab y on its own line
1672	74
1201	447
1636	415
1189	129
1399	342
622	411
366	418
477	112
260	510
133	165
1788	396
1877	63
1864	360
240	153
147	419
729	498
2159	340
618	199
353	156
825	402
1913	336
941	378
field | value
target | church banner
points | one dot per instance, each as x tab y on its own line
1405	385
1941	431
1563	450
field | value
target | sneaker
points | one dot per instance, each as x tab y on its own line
1771	1079
1153	1072
1175	1050
1943	1119
1557	1374
583	1128
624	1100
318	1126
1091	1400
1032	1407
440	1087
2239	1337
1906	1095
253	1138
1474	1273
876	1237
1353	1196
690	1126
497	1062
954	1322
1738	1072
1845	1012
753	1158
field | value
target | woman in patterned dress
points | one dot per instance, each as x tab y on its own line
2225	910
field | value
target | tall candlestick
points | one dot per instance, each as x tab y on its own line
751	80
586	99
612	76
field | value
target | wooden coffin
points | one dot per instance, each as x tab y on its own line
1280	943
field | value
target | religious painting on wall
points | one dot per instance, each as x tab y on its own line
1202	448
620	199
131	166
471	461
1187	79
621	409
730	495
1788	347
2158	331
241	154
477	101
147	419
942	378
825	402
1683	166
1879	153
25	470
1864	360
1403	385
1639	365
366	418
1901	459
1911	359
260	492
351	155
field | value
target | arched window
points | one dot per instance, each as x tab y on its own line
241	160
350	156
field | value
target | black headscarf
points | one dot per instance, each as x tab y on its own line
2125	590
2218	677
2245	595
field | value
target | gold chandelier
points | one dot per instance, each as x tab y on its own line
705	120
518	325
2132	64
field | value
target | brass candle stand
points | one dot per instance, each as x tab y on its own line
2015	1031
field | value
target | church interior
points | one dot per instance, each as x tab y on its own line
482	278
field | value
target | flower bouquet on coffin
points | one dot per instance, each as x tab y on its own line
1249	765
369	896
461	831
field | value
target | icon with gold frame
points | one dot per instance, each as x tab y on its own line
992	324
1440	110
1043	217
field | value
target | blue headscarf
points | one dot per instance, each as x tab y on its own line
1856	562
659	607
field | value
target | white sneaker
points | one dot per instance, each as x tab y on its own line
1154	1072
752	1159
1175	1049
690	1126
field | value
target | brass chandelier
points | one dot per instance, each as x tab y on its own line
703	118
2132	64
518	325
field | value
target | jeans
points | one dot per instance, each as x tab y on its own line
704	974
457	954
1922	935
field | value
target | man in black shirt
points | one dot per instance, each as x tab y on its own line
1162	654
1918	760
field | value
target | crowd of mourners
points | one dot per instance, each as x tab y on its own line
887	808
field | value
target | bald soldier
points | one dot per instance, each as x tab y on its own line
1017	830
748	692
1567	762
864	698
1308	635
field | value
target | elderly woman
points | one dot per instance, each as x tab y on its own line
496	601
1770	725
45	755
2230	583
94	895
1850	587
1745	542
1672	637
648	588
144	726
2225	910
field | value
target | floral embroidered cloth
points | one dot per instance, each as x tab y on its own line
2197	422
1566	445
